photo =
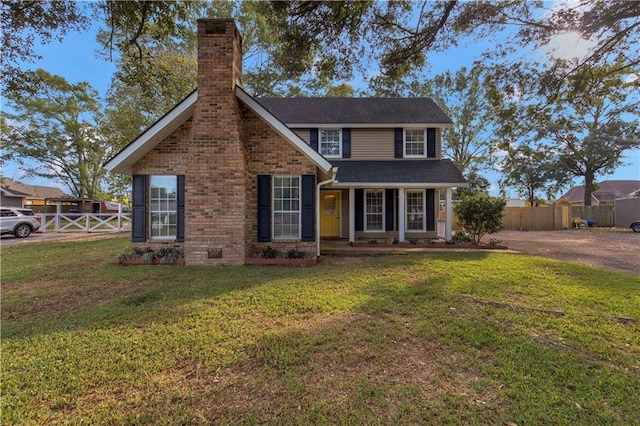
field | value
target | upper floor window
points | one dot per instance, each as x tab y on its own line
330	142
163	207
286	207
414	143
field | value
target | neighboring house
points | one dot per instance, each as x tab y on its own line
224	175
11	198
608	191
37	194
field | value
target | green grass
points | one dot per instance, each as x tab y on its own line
435	338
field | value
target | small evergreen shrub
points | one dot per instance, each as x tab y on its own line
295	254
269	253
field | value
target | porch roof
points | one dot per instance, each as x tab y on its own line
398	173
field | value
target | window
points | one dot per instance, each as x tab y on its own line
286	207
163	207
414	145
374	210
8	213
415	210
330	143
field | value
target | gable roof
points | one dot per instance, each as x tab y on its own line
32	191
12	192
404	173
124	160
608	190
354	112
282	128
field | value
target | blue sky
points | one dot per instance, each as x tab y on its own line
75	59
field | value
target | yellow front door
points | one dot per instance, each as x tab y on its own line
330	214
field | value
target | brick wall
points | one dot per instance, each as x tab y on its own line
271	154
215	169
221	150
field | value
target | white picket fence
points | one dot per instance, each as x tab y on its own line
85	222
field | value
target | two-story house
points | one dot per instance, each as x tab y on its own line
224	175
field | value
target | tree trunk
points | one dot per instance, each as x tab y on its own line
588	187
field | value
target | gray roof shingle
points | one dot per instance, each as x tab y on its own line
355	110
398	171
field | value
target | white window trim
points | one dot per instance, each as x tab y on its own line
404	143
384	213
273	210
339	155
424	211
150	212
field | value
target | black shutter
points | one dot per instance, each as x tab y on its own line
398	142
388	209
313	139
264	208
431	142
431	209
308	208
359	209
346	143
139	210
180	230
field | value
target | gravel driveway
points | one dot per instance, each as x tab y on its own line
614	249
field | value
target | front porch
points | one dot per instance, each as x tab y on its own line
400	213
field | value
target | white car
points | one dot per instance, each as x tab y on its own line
18	222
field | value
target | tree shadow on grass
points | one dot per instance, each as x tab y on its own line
365	340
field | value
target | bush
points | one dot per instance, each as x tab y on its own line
269	253
480	214
295	254
461	237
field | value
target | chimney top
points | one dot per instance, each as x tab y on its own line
218	27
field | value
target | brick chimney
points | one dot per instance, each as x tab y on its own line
215	196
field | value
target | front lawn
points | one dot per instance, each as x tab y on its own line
432	338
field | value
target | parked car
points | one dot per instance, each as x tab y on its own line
18	222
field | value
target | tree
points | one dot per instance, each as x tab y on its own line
590	122
56	125
463	95
25	23
530	171
480	214
397	36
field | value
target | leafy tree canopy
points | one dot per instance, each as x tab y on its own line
56	125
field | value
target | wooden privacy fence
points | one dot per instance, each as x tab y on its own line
85	222
554	217
603	215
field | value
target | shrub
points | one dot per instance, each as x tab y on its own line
480	214
269	253
461	237
295	254
169	254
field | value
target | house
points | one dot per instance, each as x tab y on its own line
224	175
608	191
36	195
11	197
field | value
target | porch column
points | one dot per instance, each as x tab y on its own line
352	215
401	215
447	216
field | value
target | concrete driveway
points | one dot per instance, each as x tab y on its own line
616	249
